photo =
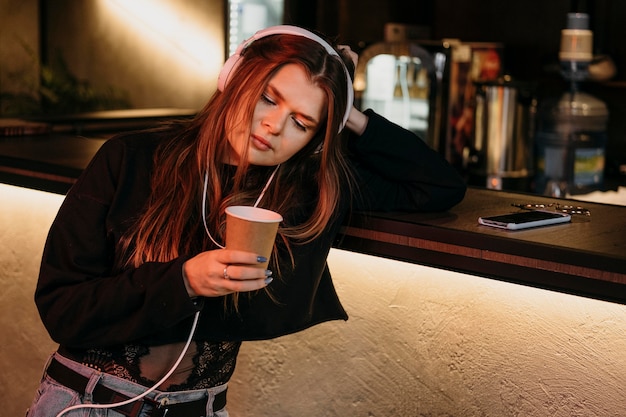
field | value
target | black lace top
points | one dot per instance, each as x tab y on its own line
205	365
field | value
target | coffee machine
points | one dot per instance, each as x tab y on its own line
428	86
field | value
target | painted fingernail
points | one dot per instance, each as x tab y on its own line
268	273
261	259
268	280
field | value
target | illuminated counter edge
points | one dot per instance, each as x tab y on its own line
586	257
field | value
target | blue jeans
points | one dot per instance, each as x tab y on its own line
51	397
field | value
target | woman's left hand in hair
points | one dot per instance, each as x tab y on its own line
222	271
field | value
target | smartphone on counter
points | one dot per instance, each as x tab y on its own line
525	219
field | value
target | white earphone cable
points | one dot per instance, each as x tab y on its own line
204	196
267	185
204	192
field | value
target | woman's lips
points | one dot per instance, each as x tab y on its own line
260	143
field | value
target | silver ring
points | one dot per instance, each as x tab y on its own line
226	276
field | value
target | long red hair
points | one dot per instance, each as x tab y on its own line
172	220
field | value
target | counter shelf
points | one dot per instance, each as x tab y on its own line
584	257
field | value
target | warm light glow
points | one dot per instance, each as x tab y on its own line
36	206
168	23
247	17
495	183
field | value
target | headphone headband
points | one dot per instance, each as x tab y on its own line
232	63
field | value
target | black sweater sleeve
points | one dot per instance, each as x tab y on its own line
82	301
397	171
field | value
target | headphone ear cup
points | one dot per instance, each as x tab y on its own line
229	66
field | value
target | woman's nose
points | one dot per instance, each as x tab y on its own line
274	121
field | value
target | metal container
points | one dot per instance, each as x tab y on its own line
501	156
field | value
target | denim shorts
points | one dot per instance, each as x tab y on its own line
51	397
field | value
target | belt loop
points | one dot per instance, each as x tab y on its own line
94	378
211	405
46	366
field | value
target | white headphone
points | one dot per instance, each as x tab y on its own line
232	63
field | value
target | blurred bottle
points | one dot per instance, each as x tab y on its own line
571	130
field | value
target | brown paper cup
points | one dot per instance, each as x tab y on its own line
251	229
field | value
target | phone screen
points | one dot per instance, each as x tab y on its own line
525	219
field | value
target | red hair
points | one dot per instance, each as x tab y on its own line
306	189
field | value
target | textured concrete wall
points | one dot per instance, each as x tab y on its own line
25	217
419	342
427	342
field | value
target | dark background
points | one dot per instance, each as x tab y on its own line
529	29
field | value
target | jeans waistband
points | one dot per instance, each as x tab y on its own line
108	389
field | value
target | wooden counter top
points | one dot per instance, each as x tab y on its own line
49	162
111	120
585	257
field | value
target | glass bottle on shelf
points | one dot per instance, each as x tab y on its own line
571	129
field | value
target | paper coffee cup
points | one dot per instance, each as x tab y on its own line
251	229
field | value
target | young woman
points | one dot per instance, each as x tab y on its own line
135	284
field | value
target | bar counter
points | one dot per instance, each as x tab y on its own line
585	257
